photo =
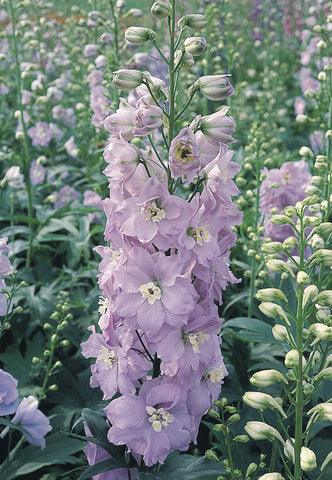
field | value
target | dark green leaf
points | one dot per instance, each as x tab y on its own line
101	467
250	329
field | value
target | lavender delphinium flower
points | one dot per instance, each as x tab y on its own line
5	269
8	393
34	422
184	156
40	135
64	196
282	187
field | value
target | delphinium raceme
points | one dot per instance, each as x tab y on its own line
169	226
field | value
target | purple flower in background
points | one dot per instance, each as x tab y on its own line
8	393
65	195
36	424
291	181
71	148
92	199
40	135
90	50
14	178
153	423
5	269
37	173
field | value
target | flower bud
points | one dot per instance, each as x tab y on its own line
311	221
211	455
324	228
127	79
272	476
195	45
325	374
214	87
309	294
281	220
324	298
270	295
292	359
234	418
161	9
322	411
252	467
272	247
323	256
302	278
241	439
140	35
307	459
186	59
281	334
261	400
290	243
321	331
272	310
262	431
264	378
289	449
276	265
195	21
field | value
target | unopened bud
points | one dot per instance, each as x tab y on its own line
234	418
322	411
302	278
276	265
324	298
214	414
214	87
241	439
307	459
321	331
280	333
252	467
289	449
195	21
290	243
324	228
264	378
272	476
262	431
323	256
53	387
272	310
47	326
161	9
261	400
211	455
195	45
270	295
311	221
127	80
272	247
187	60
140	35
35	360
328	458
281	220
309	294
325	374
292	358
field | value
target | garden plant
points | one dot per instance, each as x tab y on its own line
165	240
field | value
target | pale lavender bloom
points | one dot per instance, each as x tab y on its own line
218	127
3	89
5	266
36	424
71	148
8	393
95	78
299	106
57	134
100	61
54	94
146	118
40	135
293	178
184	156
121	122
65	195
92	199
153	290
58	112
26	97
37	173
153	423
14	178
106	38
90	50
100	104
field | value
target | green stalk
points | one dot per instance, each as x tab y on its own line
26	156
171	114
327	192
299	378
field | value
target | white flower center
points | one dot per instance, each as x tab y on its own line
286	179
215	374
159	418
154	213
104	304
195	339
151	291
200	234
184	153
109	357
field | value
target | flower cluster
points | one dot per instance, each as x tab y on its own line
169	219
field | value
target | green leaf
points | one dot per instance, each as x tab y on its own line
249	329
59	450
104	466
188	467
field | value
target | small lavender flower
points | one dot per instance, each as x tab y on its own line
37	173
90	50
34	422
8	393
40	135
14	178
65	195
184	156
